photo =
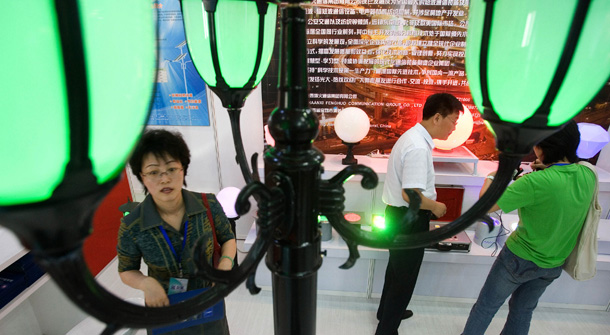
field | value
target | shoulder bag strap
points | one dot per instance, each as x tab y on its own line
592	168
211	219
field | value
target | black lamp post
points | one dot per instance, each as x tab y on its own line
293	194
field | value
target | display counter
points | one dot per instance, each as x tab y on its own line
445	275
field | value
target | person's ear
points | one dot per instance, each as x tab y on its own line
437	118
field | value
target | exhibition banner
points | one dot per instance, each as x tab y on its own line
386	57
180	98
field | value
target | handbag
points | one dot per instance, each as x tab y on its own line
217	250
213	313
582	261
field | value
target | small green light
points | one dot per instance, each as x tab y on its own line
379	222
322	218
126	213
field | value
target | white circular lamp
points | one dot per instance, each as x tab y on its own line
351	125
227	197
490	232
593	138
462	132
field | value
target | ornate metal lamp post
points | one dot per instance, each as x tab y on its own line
294	193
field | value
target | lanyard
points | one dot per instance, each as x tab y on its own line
178	257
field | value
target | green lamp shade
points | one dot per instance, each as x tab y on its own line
236	27
119	43
527	38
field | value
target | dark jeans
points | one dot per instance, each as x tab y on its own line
510	275
401	273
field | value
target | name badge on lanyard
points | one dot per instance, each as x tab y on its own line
176	285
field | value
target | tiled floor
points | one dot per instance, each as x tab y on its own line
253	315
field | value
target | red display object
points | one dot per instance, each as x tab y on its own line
452	197
100	247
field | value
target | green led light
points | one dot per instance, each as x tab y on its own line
237	28
33	105
322	218
121	78
119	43
526	42
379	222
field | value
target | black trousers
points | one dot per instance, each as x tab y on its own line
401	273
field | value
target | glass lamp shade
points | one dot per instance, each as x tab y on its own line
352	125
593	138
227	197
79	74
462	132
538	55
231	43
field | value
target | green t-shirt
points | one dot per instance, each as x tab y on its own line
552	206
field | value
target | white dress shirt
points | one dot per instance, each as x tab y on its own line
410	166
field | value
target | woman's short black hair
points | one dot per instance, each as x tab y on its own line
161	143
562	143
442	103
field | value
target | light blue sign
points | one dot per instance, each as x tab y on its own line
180	98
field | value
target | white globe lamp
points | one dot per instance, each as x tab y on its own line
462	132
487	231
227	197
351	125
593	138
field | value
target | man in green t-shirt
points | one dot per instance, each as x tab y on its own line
552	206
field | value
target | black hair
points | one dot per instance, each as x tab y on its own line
560	144
443	103
161	143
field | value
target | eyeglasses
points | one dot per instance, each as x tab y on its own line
156	174
454	121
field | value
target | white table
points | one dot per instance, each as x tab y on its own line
444	275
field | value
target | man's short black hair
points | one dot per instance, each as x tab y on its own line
562	143
442	103
161	143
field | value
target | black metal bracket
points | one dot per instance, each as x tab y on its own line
332	207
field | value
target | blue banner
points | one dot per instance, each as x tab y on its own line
180	98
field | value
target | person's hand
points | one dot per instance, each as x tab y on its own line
225	264
154	294
537	165
439	210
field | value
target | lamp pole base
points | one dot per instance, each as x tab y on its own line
349	158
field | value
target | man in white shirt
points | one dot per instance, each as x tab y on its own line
410	167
